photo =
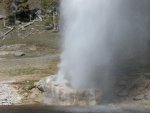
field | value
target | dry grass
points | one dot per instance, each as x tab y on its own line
38	61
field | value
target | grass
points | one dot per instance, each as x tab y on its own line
46	43
22	71
43	39
40	68
51	70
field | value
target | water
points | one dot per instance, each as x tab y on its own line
98	37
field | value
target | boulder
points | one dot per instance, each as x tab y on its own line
61	93
19	53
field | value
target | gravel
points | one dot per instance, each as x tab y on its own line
8	94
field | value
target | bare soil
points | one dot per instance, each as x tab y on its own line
19	74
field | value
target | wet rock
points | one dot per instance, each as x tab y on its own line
19	53
139	97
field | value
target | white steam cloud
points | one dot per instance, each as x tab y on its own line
97	34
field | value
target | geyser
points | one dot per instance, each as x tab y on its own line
98	36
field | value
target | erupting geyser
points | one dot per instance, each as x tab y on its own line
85	50
105	43
97	36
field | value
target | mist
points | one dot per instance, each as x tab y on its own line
99	36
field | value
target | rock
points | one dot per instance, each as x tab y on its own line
41	85
19	53
61	93
35	95
139	97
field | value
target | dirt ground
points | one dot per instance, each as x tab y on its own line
26	56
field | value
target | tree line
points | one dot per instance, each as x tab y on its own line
14	7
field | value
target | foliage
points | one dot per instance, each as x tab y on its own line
23	6
20	4
46	3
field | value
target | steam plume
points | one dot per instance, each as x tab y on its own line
98	35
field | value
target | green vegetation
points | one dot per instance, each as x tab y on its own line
46	3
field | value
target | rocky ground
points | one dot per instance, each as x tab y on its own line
25	62
18	77
125	92
25	58
19	86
